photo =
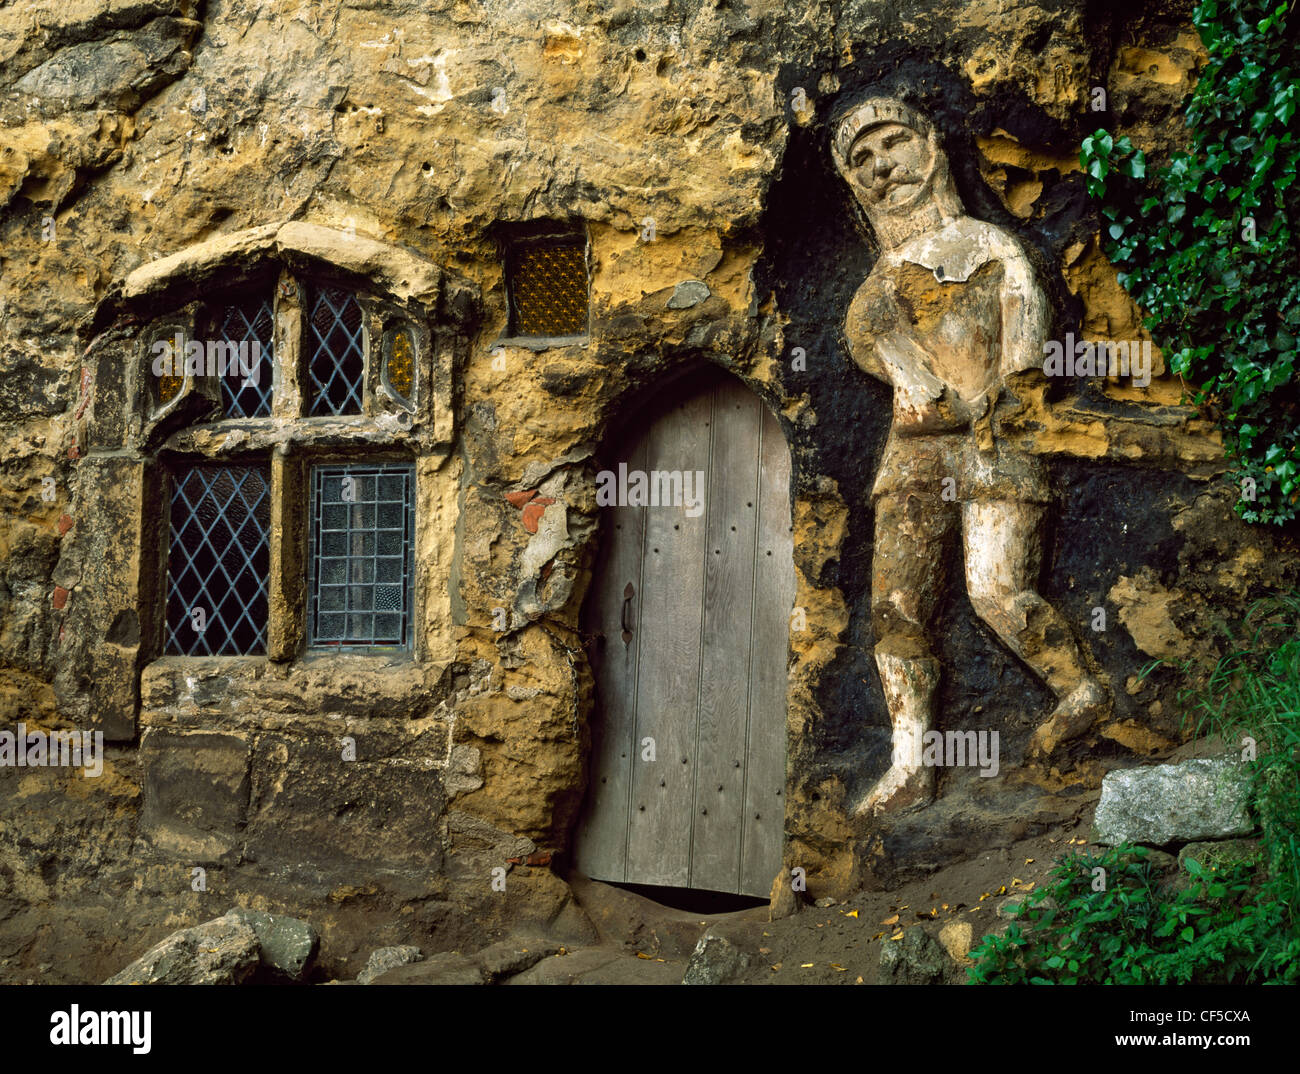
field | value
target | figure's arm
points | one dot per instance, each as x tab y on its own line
862	329
1026	319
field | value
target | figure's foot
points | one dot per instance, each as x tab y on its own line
1077	711
898	791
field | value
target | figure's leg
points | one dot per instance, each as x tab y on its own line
1003	550
907	581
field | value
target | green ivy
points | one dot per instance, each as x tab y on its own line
1207	245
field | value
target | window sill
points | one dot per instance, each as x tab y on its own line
542	343
235	435
256	691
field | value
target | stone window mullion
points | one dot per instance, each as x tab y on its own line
287	591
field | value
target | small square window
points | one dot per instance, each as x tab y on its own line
218	561
362	533
548	288
246	377
336	353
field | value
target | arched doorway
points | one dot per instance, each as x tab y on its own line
691	607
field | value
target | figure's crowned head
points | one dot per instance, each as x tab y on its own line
891	158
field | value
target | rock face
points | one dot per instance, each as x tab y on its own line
158	159
221	952
1174	803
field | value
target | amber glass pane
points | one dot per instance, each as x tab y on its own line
549	290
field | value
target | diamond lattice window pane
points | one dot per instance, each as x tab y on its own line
362	533
246	378
218	561
336	355
548	289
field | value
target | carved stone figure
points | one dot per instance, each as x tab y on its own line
950	310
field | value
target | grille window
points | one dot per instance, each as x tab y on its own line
218	561
362	531
336	355
548	289
248	326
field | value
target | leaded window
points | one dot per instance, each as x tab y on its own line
336	352
218	561
360	559
247	330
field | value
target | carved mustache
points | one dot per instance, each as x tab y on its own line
881	184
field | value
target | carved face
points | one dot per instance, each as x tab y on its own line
889	167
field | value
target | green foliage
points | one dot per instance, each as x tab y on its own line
1237	921
1208	248
1133	931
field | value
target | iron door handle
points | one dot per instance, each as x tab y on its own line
625	618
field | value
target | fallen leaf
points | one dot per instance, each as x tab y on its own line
1002	890
642	954
945	906
777	966
764	950
661	960
898	935
986	895
806	965
1030	885
837	966
858	981
877	935
892	919
1029	861
851	913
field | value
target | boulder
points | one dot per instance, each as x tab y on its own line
1174	803
1216	855
783	902
915	958
715	960
224	951
956	938
287	946
387	958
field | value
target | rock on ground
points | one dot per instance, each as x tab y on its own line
915	958
1204	798
714	961
783	901
491	965
387	958
224	951
287	946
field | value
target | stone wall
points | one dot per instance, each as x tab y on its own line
153	150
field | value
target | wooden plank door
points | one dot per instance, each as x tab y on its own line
692	602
